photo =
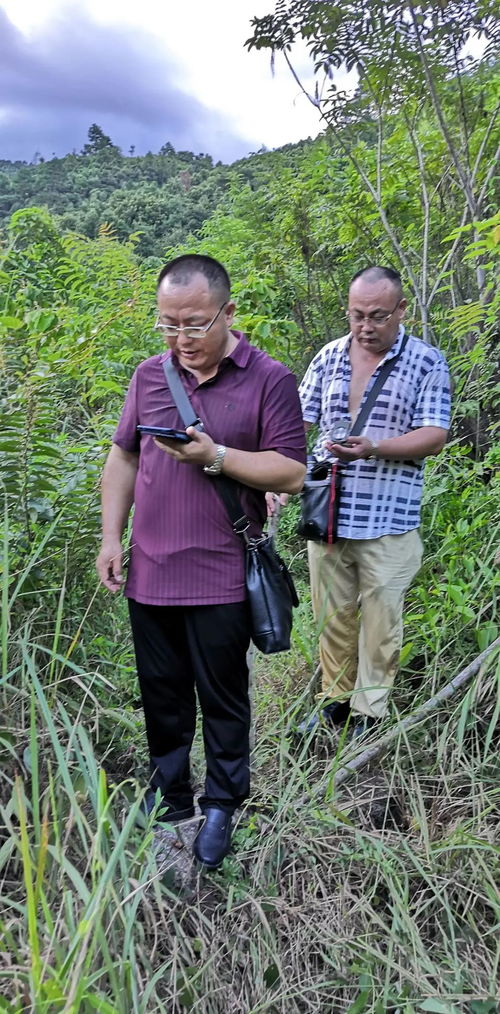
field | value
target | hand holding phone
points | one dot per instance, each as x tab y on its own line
165	433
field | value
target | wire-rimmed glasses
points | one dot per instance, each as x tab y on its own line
171	330
377	318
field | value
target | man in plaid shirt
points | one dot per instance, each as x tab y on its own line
358	583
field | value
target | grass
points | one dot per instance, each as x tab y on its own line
379	897
342	904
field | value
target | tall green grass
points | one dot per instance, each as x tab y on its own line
332	905
378	897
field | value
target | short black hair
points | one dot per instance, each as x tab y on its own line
377	273
181	270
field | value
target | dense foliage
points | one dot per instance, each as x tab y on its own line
380	898
160	198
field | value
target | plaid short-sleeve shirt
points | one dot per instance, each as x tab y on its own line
379	497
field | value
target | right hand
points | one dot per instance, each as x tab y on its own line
109	565
274	501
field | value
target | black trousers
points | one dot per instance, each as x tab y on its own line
178	649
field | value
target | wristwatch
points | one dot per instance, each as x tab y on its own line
372	456
216	467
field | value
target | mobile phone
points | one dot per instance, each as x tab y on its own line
166	432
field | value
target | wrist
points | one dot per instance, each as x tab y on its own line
373	454
111	538
214	466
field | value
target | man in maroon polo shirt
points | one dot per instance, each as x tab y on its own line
185	583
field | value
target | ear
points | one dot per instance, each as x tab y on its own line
402	308
229	313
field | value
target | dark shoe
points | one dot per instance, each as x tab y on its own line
164	812
213	840
335	713
363	725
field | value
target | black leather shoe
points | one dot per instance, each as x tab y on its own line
164	812
363	725
213	840
335	713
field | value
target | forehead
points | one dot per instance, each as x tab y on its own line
195	296
377	295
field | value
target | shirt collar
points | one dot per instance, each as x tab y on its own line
393	351
242	351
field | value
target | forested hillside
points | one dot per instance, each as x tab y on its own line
162	198
380	895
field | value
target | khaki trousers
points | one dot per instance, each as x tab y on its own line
358	588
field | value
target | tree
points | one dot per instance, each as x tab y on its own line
98	141
410	61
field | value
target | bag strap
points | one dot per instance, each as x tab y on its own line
373	394
183	404
224	486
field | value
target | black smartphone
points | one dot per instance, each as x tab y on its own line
166	432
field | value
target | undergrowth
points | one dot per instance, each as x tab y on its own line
377	897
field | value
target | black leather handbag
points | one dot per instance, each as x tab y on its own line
271	592
270	588
271	596
320	496
319	502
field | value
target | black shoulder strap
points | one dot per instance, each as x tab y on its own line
225	487
372	396
184	406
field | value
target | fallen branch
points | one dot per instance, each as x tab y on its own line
375	749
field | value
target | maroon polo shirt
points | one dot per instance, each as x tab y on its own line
183	549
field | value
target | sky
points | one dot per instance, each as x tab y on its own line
148	72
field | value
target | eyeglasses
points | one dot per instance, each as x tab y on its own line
171	331
376	318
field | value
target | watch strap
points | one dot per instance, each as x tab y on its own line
216	467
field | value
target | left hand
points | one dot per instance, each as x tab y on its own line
201	449
353	449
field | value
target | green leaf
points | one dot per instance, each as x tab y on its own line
361	1002
271	975
486	634
27	759
439	1006
100	1004
406	651
12	323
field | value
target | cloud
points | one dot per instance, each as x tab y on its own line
74	72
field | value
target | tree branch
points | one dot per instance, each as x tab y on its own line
368	184
420	715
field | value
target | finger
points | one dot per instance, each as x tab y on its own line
114	573
109	581
165	445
